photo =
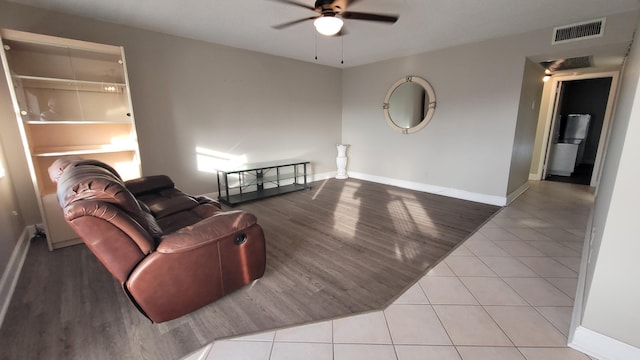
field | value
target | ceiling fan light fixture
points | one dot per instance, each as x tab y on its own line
328	25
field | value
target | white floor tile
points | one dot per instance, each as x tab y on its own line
489	353
572	262
296	351
558	234
553	354
368	328
507	266
559	316
319	332
423	352
566	285
518	248
468	266
539	292
264	336
446	290
527	233
553	248
415	325
526	327
495	234
492	291
461	251
240	350
470	325
442	269
547	267
363	352
414	295
484	248
199	354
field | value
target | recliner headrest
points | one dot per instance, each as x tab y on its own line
95	180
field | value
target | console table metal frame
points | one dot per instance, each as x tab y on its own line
251	180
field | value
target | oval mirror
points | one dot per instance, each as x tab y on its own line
409	104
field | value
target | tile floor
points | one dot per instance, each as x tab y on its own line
505	293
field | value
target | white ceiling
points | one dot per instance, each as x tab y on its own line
423	25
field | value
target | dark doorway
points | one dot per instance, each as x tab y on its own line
588	96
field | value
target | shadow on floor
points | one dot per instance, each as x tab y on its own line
582	175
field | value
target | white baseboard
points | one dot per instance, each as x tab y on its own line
322	176
450	192
601	346
310	178
519	191
13	269
535	176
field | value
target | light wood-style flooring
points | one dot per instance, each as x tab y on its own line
343	247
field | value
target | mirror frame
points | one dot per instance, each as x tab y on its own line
431	106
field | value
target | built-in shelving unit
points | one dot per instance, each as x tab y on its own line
71	97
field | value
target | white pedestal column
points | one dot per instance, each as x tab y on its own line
341	161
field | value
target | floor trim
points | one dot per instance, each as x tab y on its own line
439	190
200	354
13	269
601	346
519	191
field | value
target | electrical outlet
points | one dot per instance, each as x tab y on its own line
14	213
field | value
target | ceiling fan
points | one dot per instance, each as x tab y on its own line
331	12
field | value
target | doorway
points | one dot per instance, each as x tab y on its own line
579	123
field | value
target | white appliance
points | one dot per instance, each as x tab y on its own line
567	153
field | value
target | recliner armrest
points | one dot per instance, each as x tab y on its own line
206	231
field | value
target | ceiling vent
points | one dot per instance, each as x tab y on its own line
578	31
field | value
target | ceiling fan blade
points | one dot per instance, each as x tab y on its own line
351	2
296	4
287	24
352	15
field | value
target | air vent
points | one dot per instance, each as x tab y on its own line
578	31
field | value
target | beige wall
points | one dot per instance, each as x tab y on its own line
469	145
526	125
612	297
189	94
11	221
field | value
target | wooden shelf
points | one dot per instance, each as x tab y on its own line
39	82
75	122
105	149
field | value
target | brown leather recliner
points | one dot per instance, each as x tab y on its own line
172	253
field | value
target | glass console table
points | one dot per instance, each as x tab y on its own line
249	182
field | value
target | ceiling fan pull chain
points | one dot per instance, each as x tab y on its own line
316	38
342	50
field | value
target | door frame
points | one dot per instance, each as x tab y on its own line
606	125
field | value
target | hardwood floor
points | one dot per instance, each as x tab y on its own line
343	247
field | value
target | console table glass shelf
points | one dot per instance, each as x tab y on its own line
250	182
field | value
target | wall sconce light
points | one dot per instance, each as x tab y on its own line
547	75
